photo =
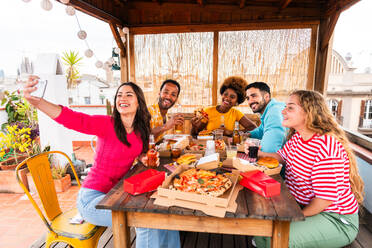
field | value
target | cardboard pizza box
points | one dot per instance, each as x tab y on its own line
209	162
199	146
209	210
209	201
244	165
178	140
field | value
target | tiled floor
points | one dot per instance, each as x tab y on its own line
20	225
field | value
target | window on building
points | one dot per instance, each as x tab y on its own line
87	100
333	104
368	110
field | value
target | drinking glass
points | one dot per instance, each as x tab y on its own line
253	146
231	151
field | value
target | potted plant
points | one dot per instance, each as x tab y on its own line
15	145
62	180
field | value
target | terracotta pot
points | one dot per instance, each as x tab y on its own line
62	184
10	163
9	183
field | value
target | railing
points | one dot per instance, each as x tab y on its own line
365	123
362	147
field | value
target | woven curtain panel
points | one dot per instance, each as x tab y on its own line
277	57
185	57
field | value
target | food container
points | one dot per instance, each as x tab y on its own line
145	181
260	183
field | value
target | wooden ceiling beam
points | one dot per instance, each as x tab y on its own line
242	4
92	10
284	3
119	42
220	27
338	6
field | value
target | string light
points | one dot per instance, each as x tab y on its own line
99	64
88	53
82	35
123	39
70	10
46	5
126	30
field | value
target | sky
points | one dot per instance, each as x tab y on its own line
26	30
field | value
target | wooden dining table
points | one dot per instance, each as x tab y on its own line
255	215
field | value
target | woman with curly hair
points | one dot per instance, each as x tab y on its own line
232	94
321	173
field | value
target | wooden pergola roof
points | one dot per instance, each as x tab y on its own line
170	16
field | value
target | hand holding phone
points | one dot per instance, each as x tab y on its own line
40	88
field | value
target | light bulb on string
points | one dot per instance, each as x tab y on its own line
46	5
117	50
82	35
70	10
123	39
88	53
106	65
111	61
125	30
26	1
64	1
99	64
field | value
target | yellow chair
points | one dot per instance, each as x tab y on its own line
60	230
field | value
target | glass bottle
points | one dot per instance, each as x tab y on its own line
236	135
151	153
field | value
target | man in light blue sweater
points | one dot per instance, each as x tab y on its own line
270	132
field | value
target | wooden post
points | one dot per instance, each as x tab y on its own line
124	59
132	76
324	45
123	51
215	68
312	58
280	236
120	229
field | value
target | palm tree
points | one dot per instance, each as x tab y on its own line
72	60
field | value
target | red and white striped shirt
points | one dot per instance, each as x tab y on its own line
319	167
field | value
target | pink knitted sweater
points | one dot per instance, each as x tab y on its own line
113	159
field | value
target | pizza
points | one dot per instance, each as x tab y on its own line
202	182
219	144
268	162
205	133
201	113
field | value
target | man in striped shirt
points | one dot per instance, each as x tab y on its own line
321	173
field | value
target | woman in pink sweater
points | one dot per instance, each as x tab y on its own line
122	138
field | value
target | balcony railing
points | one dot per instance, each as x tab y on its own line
365	123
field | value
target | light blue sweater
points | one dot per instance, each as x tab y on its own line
271	132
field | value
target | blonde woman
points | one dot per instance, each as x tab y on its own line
321	173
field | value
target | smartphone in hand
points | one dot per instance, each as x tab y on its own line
40	89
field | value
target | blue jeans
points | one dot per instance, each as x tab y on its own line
157	238
86	204
146	237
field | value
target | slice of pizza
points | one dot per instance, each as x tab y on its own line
201	113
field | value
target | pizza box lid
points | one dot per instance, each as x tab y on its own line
209	162
206	137
221	201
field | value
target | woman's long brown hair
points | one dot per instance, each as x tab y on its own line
320	120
